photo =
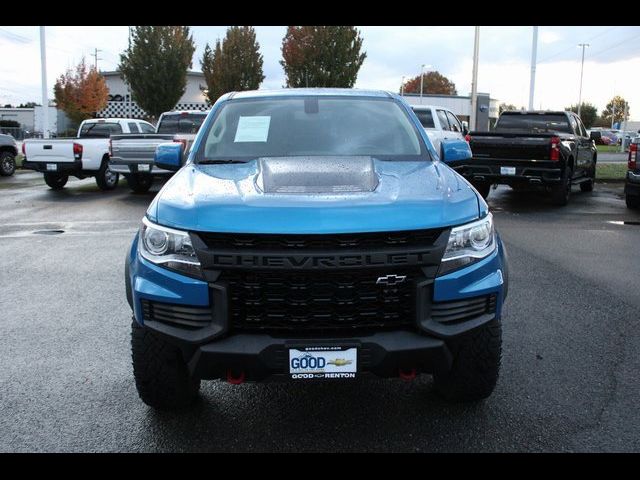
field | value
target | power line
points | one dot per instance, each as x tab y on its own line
15	36
572	47
606	49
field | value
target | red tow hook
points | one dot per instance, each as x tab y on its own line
407	375
235	380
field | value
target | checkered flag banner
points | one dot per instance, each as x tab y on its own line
132	110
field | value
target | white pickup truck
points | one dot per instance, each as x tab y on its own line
440	124
86	155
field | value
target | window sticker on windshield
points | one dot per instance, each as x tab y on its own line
253	129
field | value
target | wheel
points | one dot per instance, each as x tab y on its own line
55	180
7	164
106	179
483	188
588	185
560	193
160	372
476	365
633	201
140	183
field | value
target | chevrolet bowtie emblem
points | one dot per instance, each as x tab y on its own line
391	280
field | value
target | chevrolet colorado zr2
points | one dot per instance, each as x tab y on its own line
314	235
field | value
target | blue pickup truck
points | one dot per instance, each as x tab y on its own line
314	235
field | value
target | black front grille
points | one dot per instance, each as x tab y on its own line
319	301
177	315
461	310
238	241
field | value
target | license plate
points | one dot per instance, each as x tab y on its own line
52	167
143	167
323	362
507	170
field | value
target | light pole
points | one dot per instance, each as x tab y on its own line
583	45
422	79
534	51
474	79
45	101
402	87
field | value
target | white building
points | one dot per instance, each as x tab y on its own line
31	119
120	104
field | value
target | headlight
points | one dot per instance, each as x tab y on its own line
168	248
468	243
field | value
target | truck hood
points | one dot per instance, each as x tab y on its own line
265	196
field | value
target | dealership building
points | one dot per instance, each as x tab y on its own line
120	103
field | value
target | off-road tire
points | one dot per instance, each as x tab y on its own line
588	185
633	201
105	179
476	365
140	182
160	371
55	180
483	188
7	164
560	193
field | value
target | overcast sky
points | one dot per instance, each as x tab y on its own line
612	63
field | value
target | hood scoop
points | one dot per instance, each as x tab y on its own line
311	174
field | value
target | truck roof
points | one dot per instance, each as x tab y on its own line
533	112
180	112
288	92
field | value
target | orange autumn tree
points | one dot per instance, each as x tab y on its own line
81	93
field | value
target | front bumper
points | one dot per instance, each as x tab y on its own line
214	351
632	184
526	172
61	167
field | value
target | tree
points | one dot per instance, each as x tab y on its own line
434	83
81	93
8	105
28	105
503	107
588	113
234	65
615	108
322	56
155	66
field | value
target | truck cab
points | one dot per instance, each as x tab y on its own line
441	125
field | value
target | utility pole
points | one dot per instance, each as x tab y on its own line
624	125
583	45
534	51
474	79
421	81
402	87
45	100
95	55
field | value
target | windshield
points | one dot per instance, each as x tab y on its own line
311	126
534	122
181	123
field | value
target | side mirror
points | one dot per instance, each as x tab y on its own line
465	127
455	150
595	136
168	156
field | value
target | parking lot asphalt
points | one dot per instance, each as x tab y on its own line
568	382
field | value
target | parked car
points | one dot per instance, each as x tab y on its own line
8	153
632	181
132	154
541	149
86	155
441	125
312	234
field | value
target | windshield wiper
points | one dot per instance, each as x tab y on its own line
218	162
